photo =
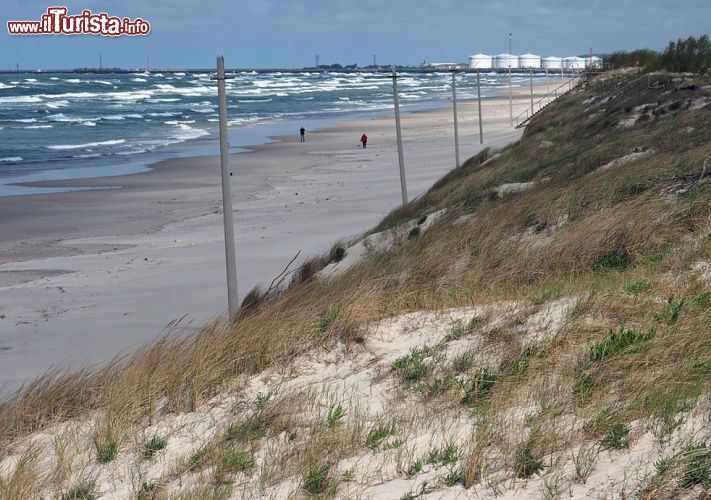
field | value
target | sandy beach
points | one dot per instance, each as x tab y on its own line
87	275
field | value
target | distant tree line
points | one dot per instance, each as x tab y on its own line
692	55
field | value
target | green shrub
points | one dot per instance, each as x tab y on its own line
412	367
335	414
617	342
613	260
448	455
378	435
83	491
316	479
527	463
414	233
249	430
617	437
237	461
670	313
637	287
454	477
478	386
153	446
105	453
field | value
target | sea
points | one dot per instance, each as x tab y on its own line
78	125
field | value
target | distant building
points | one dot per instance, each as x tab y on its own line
506	61
481	61
529	61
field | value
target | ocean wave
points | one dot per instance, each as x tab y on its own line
6	86
62	147
72	80
62	118
19	99
11	159
32	127
121	117
138	80
164	86
57	104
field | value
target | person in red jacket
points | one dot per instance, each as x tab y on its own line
364	140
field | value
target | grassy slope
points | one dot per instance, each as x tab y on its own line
623	241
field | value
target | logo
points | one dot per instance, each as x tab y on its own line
57	21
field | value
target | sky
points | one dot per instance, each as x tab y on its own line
289	33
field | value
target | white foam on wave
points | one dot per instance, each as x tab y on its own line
32	127
164	86
19	99
57	104
11	159
72	80
6	86
62	147
138	80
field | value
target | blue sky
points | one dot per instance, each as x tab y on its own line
288	33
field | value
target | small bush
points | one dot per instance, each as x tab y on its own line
338	253
325	322
316	479
527	464
637	287
613	260
335	414
148	491
463	362
478	386
83	491
414	468
617	342
696	469
617	437
670	313
153	446
413	367
249	430
197	458
105	453
378	435
237	461
454	477
414	233
448	455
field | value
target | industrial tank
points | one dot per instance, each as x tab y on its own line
529	61
505	61
574	62
481	61
552	62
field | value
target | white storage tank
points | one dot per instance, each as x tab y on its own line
529	61
552	62
506	61
481	61
574	62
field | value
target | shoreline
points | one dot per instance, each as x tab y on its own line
126	262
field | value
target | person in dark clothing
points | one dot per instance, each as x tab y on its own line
364	140
302	131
